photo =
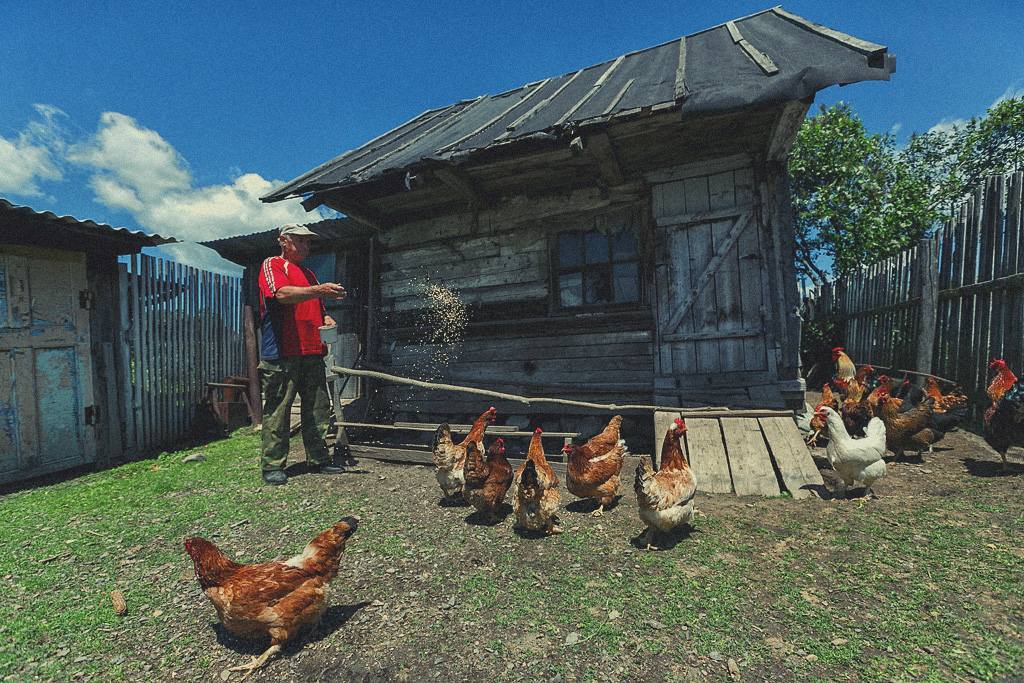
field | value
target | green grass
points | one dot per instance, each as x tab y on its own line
933	594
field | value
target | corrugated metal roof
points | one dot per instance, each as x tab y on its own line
247	249
769	57
20	219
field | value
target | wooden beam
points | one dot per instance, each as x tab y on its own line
786	127
680	91
857	44
491	122
755	55
704	216
459	180
350	207
600	146
698	168
593	91
511	128
703	336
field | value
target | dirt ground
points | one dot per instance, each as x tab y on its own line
409	613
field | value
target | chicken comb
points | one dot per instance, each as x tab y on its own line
997	364
838	348
679	422
539	431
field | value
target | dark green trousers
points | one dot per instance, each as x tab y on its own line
282	380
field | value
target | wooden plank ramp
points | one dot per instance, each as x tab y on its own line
751	453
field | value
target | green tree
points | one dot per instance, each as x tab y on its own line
857	198
854	200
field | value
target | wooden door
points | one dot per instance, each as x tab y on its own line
44	350
712	317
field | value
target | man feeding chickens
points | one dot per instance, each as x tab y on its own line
292	355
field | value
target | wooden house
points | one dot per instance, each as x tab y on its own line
619	234
61	325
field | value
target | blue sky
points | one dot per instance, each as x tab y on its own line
176	119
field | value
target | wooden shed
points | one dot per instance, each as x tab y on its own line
61	321
622	233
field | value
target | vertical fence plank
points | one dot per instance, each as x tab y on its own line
1013	347
949	304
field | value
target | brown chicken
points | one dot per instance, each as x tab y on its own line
943	402
906	430
856	411
592	470
665	499
487	481
276	598
828	400
450	458
884	387
535	491
1002	380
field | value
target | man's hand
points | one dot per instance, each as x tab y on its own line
330	290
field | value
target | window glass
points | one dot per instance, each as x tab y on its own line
626	282
598	289
623	246
595	247
570	289
569	249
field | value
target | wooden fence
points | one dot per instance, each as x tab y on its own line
182	328
948	305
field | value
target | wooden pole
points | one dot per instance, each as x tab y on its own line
927	268
711	411
255	397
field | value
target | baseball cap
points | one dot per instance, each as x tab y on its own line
296	229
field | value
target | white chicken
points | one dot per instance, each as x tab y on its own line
855	459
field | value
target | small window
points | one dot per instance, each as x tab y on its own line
594	268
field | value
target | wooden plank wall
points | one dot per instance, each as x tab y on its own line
501	258
980	291
183	328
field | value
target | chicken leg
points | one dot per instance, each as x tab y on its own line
256	662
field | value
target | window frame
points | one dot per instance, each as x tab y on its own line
581	229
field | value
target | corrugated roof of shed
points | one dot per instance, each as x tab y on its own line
769	57
14	218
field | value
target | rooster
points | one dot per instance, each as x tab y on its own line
1004	420
855	459
665	499
1002	380
276	598
845	369
592	470
535	491
487	481
450	458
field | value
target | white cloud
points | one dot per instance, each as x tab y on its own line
948	125
135	169
28	158
1013	92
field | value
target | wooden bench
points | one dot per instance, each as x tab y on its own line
421	455
494	430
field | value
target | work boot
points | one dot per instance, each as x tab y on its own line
326	469
274	477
